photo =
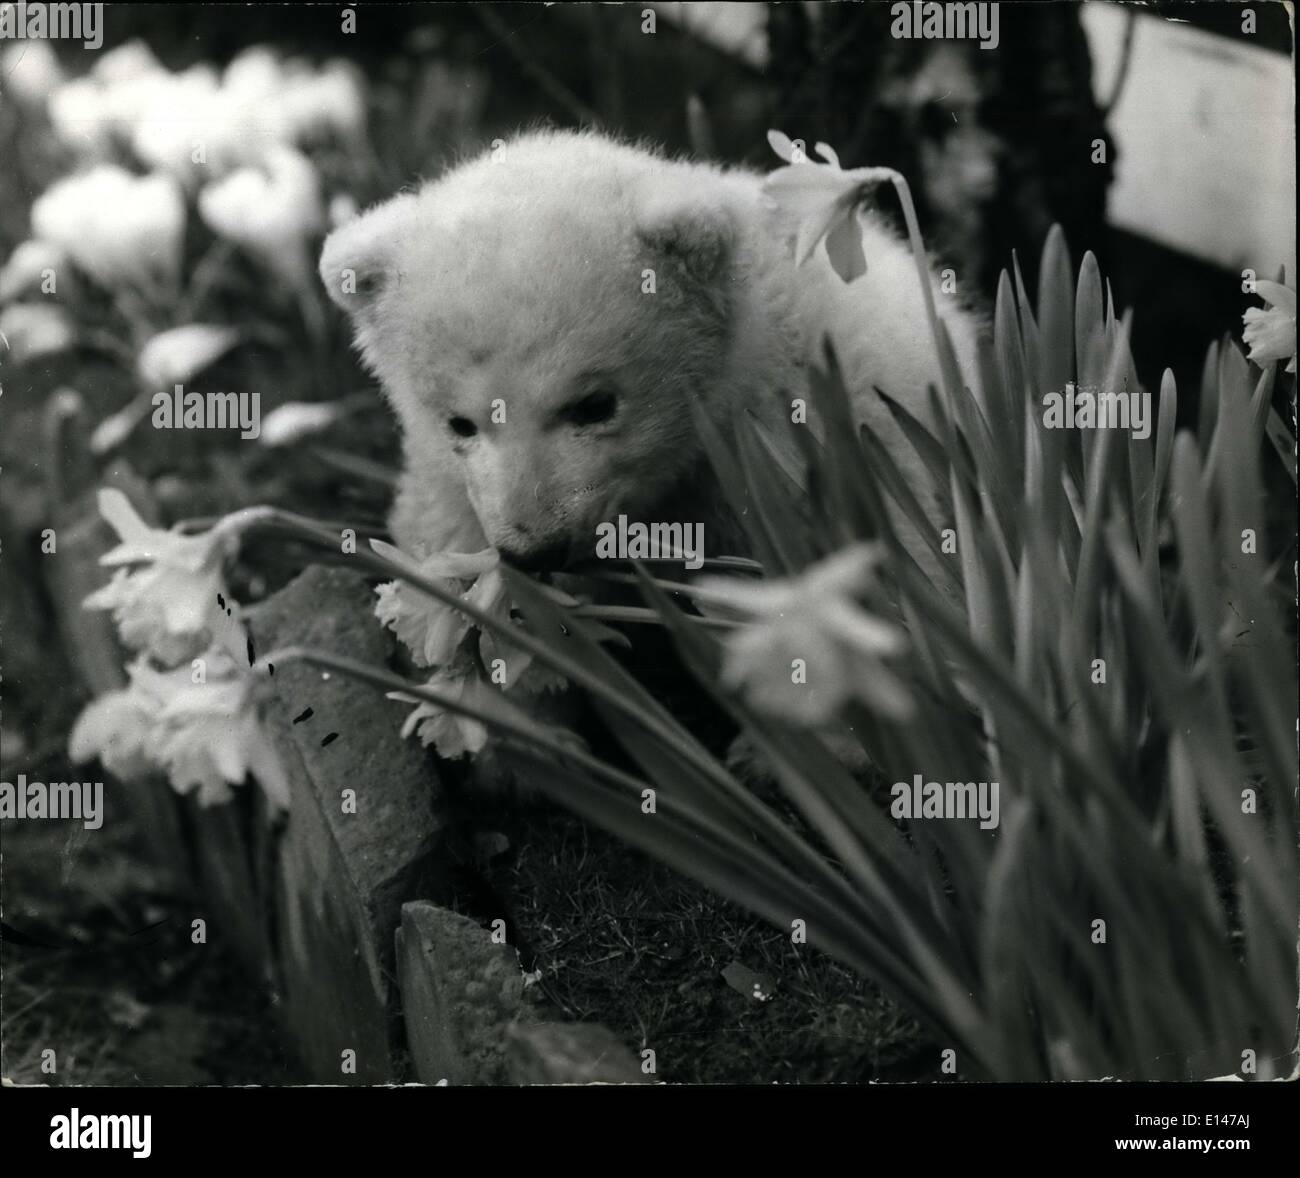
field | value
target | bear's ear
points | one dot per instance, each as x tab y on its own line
688	229
358	258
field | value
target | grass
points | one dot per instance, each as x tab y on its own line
115	1005
620	940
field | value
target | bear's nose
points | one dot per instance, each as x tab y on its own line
538	558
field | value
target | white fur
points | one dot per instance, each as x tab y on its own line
516	279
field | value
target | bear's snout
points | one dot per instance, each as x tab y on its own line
547	557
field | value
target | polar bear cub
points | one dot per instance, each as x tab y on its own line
546	318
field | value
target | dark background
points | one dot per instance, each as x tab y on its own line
838	77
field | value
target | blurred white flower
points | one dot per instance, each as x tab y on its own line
117	227
273	214
116	728
167	603
343	207
167	119
210	735
177	122
330	101
30	71
430	630
206	736
1269	334
813	622
86	112
174	356
65	403
289	100
27	266
32	330
117	427
253	90
125	62
82	120
254	73
131	100
452	734
195	123
295	420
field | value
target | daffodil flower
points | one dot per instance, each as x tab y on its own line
329	101
207	737
820	203
430	630
272	211
176	355
27	267
433	632
117	427
126	62
164	595
210	735
806	647
117	728
32	330
342	209
295	420
521	673
450	733
1269	333
167	359
80	118
453	734
117	227
30	71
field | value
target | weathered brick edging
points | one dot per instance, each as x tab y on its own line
466	1019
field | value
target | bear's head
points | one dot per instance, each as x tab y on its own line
543	319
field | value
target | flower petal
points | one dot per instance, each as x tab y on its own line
844	248
174	356
1276	295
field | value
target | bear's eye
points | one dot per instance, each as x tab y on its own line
462	427
592	409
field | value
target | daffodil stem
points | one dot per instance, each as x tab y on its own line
700	592
195	524
632	613
918	255
667	586
110	345
206	274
